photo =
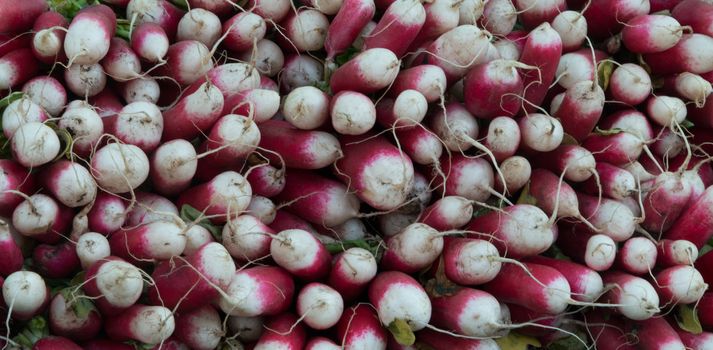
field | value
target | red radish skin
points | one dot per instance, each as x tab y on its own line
580	109
196	112
695	13
114	283
26	294
471	178
161	12
65	320
351	272
107	214
266	180
637	256
611	217
397	296
542	49
21	112
188	61
586	284
459	49
231	139
345	27
20	16
616	183
17	67
105	344
173	166
665	202
147	324
429	80
257	291
657	334
150	42
300	253
258	104
153	241
12	255
705	306
242	29
47	92
55	343
551	295
12	42
59	261
578	66
360	328
398	27
226	194
417	237
48	40
282	332
550	195
42	218
606	18
619	149
370	71
286	221
421	145
630	84
319	200
247	238
681	284
199	329
637	298
598	253
179	286
679	252
691	54
14	178
307	149
447	213
651	33
89	35
609	333
477	315
533	13
470	261
492	89
441	16
702	341
697	225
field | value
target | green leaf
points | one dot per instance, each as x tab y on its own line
322	85
526	197
373	245
687	124
687	319
75	299
604	72
402	332
607	132
7	100
516	341
190	215
69	8
36	329
345	56
570	342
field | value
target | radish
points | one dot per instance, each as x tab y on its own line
470	261
321	343
370	71
656	333
470	11
200	329
39	216
499	17
351	271
651	33
242	29
283	332
542	49
408	109
637	256
318	200
345	27
48	40
232	138
689	86
286	221
247	238
17	67
427	79
139	124
187	284
670	190
161	12
221	9
300	253
194	113
399	298
263	209
679	252
447	213
613	218
441	16
478	313
555	198
300	70
306	107
10	251
73	318
25	294
306	30
159	240
680	284
200	25
258	104
85	80
572	28
577	66
247	329
256	291
532	13
540	132
631	84
586	284
616	183
92	247
120	167
540	288
491	89
597	251
516	172
89	35
84	125
603	24
379	173
107	214
319	305
196	237
14	177
114	283
455	126
140	90
636	298
398	28
56	261
150	42
580	109
21	112
666	111
121	62
52	342
227	194
34	144
459	49
421	145
47	92
694	13
416	237
690	54
608	331
188	61
20	16
360	328
267	57
311	149
694	226
147	324
352	113
173	165
266	180
702	341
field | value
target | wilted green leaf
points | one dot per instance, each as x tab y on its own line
402	332
345	56
516	341
526	197
604	72
7	100
687	319
36	329
190	215
607	132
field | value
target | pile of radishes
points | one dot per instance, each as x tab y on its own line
356	174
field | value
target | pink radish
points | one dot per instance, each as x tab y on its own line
85	80
150	42
263	209
47	92
196	237
540	288
370	71
491	89
597	251
636	298
89	35
580	109
542	49
301	254
577	66
577	163
421	145
320	305
616	183
282	333
247	238
586	284
680	284
17	67
56	261
408	109
427	79
360	328
679	252
611	217
520	230
470	11
533	13
147	324
226	194
221	9
200	329
468	177
256	291
114	283
21	112
601	22
637	256
629	83
499	17
398	297
665	202
20	16
381	175
403	20
694	13
572	28
92	247
190	283
121	62
690	54
555	198
321	343
309	149
459	49
39	216
107	214
651	33
657	334
305	30
352	113
67	318
416	237
120	167
267	57
160	240
351	272
306	107
346	26
470	261
300	70
666	111
469	312
53	342
232	138
258	104
48	40
84	125
194	113
140	124
140	90
188	61
14	178
10	250
173	165
266	180
161	12
540	132
201	25
248	329
447	213
689	86
242	29
702	341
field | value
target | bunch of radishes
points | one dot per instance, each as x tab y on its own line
356	174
